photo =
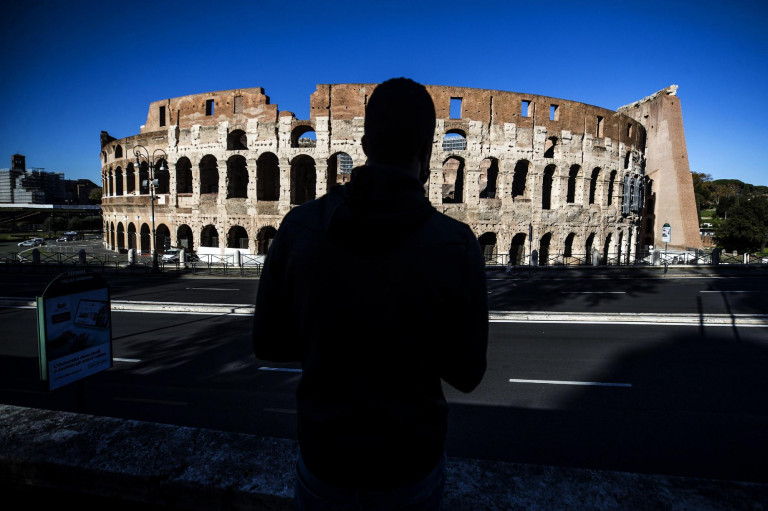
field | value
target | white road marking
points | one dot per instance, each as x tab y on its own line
213	288
131	360
280	369
593	292
729	291
563	382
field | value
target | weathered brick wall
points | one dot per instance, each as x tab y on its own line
563	144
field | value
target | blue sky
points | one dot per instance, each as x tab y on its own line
71	69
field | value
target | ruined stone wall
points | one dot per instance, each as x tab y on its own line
672	197
525	172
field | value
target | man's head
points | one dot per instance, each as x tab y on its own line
399	125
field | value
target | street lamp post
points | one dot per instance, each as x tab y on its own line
140	151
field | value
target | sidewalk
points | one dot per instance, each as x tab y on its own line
59	458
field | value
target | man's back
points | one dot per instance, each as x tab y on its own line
377	318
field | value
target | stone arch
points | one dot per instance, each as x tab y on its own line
143	178
593	183
454	140
607	244
488	246
519	178
549	147
163	177
547	180
264	238
588	248
110	183
303	179
120	236
237	237
568	244
132	241
209	175
237	177
611	186
619	251
145	246
489	177
453	180
268	177
209	236
573	180
112	234
544	246
130	179
118	181
237	140
517	249
162	238
339	169
303	136
183	175
184	237
118	151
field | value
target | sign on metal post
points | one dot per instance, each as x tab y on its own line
666	233
74	328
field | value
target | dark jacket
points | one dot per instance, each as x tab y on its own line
380	297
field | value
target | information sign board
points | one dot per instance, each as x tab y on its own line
666	233
74	328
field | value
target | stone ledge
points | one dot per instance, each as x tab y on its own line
90	461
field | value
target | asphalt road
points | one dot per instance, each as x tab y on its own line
685	400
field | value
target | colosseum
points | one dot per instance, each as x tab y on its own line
540	180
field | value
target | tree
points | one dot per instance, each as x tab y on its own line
95	196
746	228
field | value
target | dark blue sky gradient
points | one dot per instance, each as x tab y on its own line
73	68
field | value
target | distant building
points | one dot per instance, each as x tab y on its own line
36	186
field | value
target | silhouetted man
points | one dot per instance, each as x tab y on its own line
380	297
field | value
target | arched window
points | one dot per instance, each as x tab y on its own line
627	195
264	239
611	184
549	147
453	180
118	151
184	237
183	175
517	249
145	247
568	245
544	249
593	184
209	175
130	180
303	179
339	169
162	238
209	237
588	248
303	136
488	246
267	177
237	140
237	178
163	177
519	178
118	181
573	176
546	187
489	176
237	237
454	140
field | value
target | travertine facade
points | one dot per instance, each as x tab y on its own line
526	172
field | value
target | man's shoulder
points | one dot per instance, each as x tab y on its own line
450	226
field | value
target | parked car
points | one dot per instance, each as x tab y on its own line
172	255
34	242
